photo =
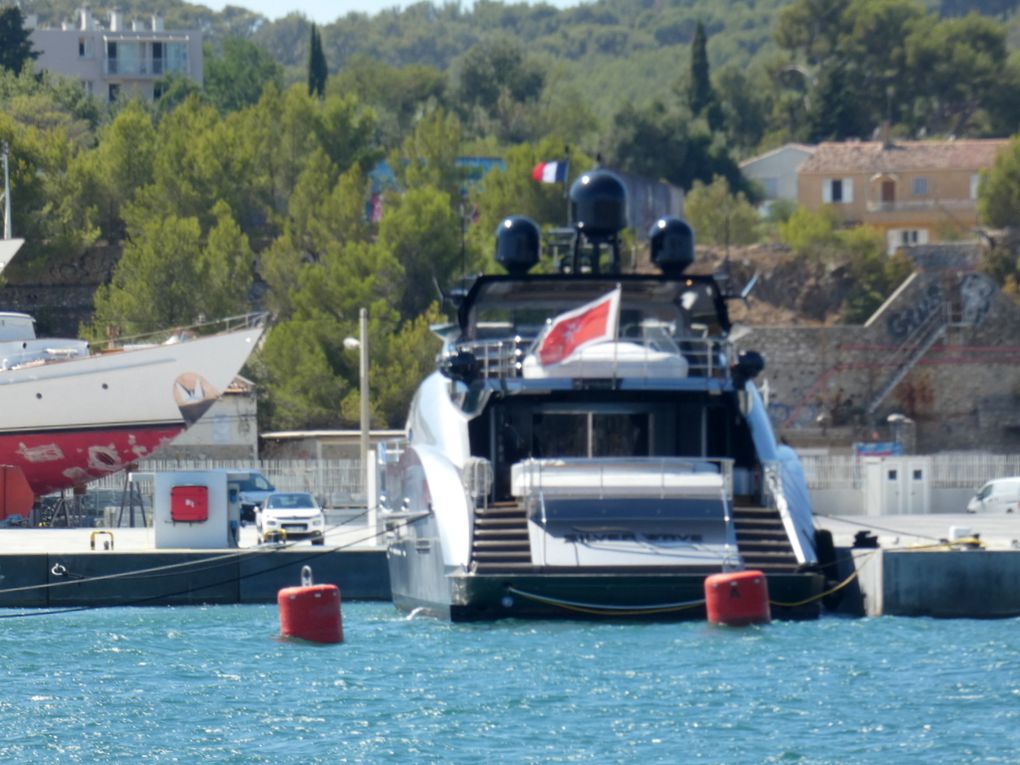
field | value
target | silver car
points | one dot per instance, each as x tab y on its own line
288	515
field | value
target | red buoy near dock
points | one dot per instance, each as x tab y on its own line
311	612
737	598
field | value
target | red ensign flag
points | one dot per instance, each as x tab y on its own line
593	322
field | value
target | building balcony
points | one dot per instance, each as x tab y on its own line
922	205
120	68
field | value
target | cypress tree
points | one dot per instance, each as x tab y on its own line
15	42
317	71
700	96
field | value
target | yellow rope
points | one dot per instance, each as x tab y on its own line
603	611
837	588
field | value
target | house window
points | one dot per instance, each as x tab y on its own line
157	58
888	191
111	58
904	237
920	186
84	47
114	91
837	190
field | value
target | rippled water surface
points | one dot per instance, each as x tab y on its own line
215	685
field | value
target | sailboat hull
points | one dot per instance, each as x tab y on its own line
66	423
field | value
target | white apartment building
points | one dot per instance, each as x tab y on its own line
115	61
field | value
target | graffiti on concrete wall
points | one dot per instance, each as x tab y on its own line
976	292
902	323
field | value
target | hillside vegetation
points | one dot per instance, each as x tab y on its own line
257	186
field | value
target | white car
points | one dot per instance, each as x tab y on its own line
999	496
288	515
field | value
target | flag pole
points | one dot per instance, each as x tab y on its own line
566	180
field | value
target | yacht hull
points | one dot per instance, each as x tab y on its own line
420	585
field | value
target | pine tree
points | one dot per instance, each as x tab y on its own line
15	41
317	71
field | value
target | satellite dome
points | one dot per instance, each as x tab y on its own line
672	245
517	244
598	204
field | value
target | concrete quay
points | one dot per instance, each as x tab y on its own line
911	573
57	568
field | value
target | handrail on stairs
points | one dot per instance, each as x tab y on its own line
911	350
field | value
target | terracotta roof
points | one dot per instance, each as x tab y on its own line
903	156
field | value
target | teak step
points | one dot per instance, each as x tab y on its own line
519	555
503	544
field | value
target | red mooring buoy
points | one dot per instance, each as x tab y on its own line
311	612
737	598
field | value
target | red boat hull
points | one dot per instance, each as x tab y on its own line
55	460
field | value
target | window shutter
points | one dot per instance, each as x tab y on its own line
848	190
827	190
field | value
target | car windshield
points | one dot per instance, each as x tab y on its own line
256	483
290	500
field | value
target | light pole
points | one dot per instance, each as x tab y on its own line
361	343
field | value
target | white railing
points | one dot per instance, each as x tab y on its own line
603	477
705	356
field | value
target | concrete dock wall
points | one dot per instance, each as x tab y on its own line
978	584
46	580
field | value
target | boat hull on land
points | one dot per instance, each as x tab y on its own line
68	422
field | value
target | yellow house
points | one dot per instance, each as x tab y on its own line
914	191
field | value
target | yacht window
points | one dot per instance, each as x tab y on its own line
590	434
559	435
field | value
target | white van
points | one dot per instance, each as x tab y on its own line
999	496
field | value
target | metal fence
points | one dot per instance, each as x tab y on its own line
340	483
945	471
337	483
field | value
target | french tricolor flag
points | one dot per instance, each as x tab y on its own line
550	172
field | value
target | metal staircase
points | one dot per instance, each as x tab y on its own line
500	543
762	539
912	350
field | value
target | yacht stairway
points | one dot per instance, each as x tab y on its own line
762	539
500	543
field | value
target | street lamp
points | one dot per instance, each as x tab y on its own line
361	345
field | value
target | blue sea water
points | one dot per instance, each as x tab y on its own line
216	685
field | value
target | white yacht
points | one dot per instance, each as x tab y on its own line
590	445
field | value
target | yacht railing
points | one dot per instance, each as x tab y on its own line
705	356
631	476
200	328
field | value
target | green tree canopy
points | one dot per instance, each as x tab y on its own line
999	190
236	77
169	276
720	217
